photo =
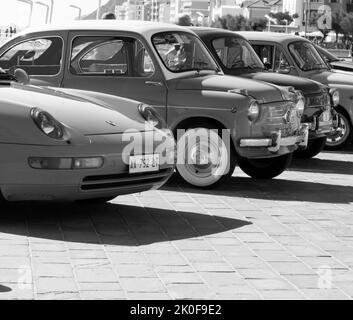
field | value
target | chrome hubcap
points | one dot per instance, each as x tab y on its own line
340	134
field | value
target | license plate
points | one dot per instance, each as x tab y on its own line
144	163
326	117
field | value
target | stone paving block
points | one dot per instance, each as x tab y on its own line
325	294
166	259
52	270
148	296
127	258
100	286
134	270
304	281
217	266
14	251
170	278
102	274
257	273
103	295
55	285
59	296
292	268
142	285
190	291
282	295
270	284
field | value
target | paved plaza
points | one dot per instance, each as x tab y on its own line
289	238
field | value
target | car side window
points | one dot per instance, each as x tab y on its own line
110	56
265	53
41	56
281	64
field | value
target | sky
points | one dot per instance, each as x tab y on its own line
17	12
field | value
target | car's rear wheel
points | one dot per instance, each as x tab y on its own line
315	146
204	158
265	168
342	135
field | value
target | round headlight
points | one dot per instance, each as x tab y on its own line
254	111
335	96
152	116
47	124
300	106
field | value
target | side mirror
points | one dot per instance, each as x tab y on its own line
21	76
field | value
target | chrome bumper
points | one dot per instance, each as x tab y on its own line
276	141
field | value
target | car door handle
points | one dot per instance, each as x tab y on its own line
154	83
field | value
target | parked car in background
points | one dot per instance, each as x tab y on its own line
169	68
301	58
236	57
337	64
59	146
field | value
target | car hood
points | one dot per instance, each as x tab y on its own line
342	65
264	92
305	85
332	78
77	113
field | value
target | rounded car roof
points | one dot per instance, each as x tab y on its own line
142	27
271	36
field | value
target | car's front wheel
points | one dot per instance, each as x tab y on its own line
265	168
342	135
315	146
204	158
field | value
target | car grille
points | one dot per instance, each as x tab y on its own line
318	100
123	180
282	116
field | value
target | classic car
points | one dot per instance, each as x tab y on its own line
67	147
257	124
337	64
236	57
299	57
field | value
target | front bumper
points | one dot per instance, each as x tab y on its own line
20	182
276	141
323	125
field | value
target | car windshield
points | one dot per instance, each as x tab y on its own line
182	51
328	56
237	54
306	56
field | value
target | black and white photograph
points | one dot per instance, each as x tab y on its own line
185	152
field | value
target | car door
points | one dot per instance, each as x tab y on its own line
40	55
116	64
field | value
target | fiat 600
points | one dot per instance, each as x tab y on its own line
169	68
301	58
56	146
236	57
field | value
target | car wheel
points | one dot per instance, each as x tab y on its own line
204	158
315	146
342	135
265	168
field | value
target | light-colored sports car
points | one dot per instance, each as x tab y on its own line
67	146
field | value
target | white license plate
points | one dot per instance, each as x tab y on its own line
144	163
326	117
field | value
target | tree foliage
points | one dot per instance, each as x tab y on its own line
284	18
184	20
239	23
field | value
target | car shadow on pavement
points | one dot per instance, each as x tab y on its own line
275	189
110	224
4	289
322	166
